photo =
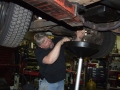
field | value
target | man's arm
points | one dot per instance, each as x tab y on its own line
53	55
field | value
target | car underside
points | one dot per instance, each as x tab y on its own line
99	18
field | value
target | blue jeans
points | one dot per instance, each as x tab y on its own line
44	85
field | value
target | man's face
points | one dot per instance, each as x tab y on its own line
47	43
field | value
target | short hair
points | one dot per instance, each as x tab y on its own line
39	38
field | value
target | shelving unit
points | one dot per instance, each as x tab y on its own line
113	81
29	71
97	71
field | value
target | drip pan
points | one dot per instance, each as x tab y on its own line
82	49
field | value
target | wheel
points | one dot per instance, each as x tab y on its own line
14	23
107	45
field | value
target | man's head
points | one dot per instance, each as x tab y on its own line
42	40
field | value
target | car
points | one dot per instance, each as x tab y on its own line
100	19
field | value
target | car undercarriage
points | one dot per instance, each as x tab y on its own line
61	17
99	18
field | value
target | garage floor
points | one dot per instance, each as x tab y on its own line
100	89
96	89
86	89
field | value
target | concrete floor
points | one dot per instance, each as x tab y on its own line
102	89
86	89
72	87
96	89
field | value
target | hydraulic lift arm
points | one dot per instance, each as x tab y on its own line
60	10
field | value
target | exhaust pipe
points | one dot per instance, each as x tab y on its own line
105	27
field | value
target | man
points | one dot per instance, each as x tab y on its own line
50	56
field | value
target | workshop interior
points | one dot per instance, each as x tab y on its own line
91	64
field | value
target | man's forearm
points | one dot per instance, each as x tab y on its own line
53	55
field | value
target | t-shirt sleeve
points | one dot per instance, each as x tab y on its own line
40	54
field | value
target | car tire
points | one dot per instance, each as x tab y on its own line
106	46
15	23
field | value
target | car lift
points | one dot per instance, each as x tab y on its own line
62	10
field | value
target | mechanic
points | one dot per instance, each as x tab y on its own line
50	57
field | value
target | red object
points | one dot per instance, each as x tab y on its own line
66	5
81	81
91	65
31	73
59	9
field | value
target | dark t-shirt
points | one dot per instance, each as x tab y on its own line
51	72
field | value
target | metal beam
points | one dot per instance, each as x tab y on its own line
41	23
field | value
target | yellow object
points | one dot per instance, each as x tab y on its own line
51	36
91	85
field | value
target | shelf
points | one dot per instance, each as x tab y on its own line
114	88
114	70
34	73
115	54
112	79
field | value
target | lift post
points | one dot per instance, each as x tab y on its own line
78	73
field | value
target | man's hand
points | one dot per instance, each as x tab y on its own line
79	35
65	39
